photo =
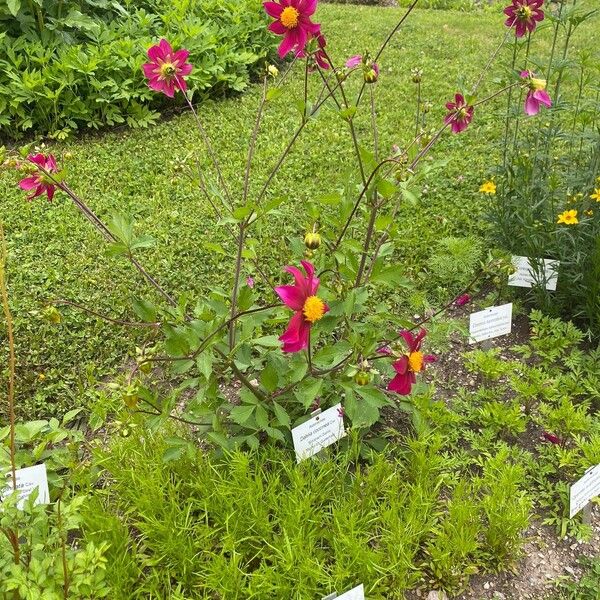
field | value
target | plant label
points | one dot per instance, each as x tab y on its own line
28	479
318	432
525	274
357	593
584	490
490	323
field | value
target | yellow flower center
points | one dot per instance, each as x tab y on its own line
525	13
314	309
289	17
167	70
537	84
415	361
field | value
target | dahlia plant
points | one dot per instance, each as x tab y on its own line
339	343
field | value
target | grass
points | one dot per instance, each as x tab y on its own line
54	253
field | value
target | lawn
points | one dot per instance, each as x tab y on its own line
55	254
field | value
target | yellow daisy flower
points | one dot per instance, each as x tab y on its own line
596	195
569	217
489	187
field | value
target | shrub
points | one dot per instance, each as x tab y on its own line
83	72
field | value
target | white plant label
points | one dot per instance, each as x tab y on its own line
525	274
357	593
490	323
28	479
584	490
318	432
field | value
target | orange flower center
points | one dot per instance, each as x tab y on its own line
415	361
313	309
289	17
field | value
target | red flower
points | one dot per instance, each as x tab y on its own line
550	437
460	114
39	182
167	68
414	361
301	298
293	23
524	15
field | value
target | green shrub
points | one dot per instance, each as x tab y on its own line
57	78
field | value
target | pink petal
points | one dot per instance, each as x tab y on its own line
295	337
165	47
354	61
401	365
38	159
292	296
409	338
401	384
288	43
543	97
180	56
273	9
532	106
277	28
307	7
29	183
185	69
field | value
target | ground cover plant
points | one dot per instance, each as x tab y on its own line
238	366
76	64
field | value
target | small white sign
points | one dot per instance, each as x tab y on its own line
357	593
525	274
584	490
490	323
28	479
317	433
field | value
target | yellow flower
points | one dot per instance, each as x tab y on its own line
589	213
596	195
569	217
489	187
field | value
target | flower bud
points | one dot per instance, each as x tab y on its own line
362	378
371	74
416	75
312	240
131	399
273	71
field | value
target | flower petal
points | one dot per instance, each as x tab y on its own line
292	296
273	9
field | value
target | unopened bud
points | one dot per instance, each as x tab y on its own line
312	240
362	378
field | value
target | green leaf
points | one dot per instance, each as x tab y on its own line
373	396
13	6
281	415
216	248
204	362
269	378
241	414
145	310
69	416
262	417
273	94
240	213
386	188
332	199
360	412
144	241
308	390
268	341
348	113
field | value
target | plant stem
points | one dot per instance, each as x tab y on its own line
240	376
253	139
11	352
62	302
508	106
236	282
63	544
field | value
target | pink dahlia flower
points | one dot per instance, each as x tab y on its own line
319	55
39	182
167	68
414	361
524	15
536	93
460	114
307	306
550	437
292	21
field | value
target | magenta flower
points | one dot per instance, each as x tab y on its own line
460	114
414	361
250	282
536	93
462	300
319	55
354	61
167	69
309	308
39	182
524	15
292	21
386	350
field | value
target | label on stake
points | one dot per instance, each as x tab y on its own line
526	274
28	479
317	433
490	323
584	490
